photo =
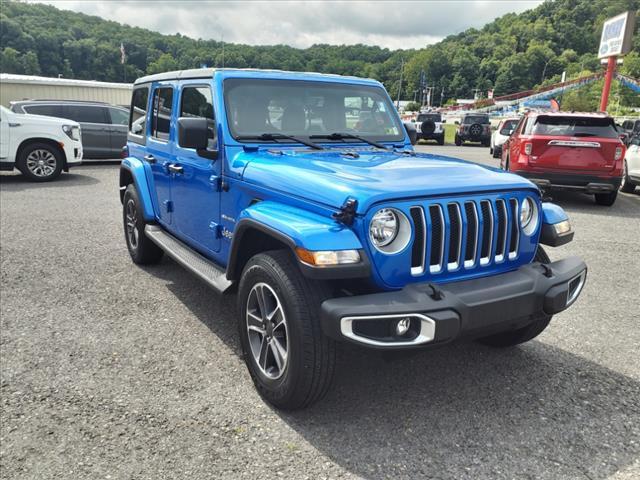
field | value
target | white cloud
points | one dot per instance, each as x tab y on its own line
401	24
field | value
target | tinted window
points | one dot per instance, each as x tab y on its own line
119	116
573	126
198	102
138	114
434	117
636	128
47	110
508	126
476	119
161	115
86	113
303	108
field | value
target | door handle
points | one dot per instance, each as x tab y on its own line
150	158
173	168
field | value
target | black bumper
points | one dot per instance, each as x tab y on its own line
473	308
430	136
568	181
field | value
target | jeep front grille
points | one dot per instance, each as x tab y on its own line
454	235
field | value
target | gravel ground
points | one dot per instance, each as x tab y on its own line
109	370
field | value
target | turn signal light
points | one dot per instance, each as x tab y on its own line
327	258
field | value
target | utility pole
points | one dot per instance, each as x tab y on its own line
400	86
222	40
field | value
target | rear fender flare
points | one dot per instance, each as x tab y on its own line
132	171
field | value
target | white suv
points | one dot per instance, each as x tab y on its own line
429	126
40	147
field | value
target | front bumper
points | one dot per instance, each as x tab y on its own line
569	181
441	313
73	153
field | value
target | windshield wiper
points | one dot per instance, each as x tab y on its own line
342	136
279	136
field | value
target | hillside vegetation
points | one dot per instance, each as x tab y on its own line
513	53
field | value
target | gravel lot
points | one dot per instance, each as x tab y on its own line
109	370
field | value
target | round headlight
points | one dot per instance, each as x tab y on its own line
383	228
526	212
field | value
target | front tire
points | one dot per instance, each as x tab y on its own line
627	186
441	140
40	162
524	334
606	199
290	360
142	250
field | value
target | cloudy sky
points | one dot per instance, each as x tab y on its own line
400	24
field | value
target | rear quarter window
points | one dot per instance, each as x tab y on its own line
46	110
86	113
138	113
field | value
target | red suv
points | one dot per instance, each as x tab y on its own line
577	151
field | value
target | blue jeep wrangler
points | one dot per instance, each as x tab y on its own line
302	193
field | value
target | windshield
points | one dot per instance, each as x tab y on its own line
508	126
303	109
476	119
573	126
434	117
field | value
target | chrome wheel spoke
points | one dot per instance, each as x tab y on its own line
264	352
279	353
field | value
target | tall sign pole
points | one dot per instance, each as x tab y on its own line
616	39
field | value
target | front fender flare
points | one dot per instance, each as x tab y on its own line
551	215
133	169
298	228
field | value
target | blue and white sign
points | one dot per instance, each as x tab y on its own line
617	33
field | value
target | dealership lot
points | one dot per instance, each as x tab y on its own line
109	370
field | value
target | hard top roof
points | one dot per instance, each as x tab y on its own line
251	73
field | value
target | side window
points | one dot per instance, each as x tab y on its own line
161	113
198	102
86	113
46	110
138	113
118	116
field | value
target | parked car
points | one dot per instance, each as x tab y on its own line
632	128
429	126
40	147
631	167
329	233
561	150
474	127
500	135
104	126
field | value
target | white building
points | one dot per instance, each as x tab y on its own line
28	87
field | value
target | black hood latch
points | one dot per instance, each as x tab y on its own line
347	211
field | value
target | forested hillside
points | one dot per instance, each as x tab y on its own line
512	53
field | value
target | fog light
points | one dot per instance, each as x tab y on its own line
402	326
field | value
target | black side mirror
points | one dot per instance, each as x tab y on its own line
456	122
411	131
444	121
194	133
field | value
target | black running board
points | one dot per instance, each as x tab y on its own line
203	268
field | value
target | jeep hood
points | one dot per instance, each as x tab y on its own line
371	176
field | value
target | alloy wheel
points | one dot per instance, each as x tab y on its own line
42	163
267	331
132	223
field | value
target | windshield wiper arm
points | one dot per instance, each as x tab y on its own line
342	136
279	136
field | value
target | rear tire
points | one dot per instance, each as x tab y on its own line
141	248
458	141
305	374
441	140
606	199
627	186
40	162
522	335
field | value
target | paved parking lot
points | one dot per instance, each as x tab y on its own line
109	370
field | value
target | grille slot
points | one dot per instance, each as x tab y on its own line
455	236
501	242
514	242
472	234
487	231
437	238
419	248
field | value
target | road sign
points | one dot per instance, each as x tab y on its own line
617	35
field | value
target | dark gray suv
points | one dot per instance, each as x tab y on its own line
104	127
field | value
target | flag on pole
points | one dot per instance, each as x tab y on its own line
123	53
